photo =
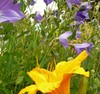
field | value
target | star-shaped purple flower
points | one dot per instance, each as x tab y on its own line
48	1
10	12
64	38
70	2
84	46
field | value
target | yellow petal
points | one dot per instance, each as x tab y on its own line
48	87
70	66
81	57
38	75
64	87
46	81
81	71
32	89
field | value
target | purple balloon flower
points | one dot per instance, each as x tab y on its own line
81	16
84	46
10	12
70	2
64	38
48	1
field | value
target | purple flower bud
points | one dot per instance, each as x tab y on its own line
84	46
38	16
78	33
10	12
64	38
48	1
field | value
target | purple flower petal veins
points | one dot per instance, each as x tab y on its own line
10	12
84	46
70	2
63	39
48	1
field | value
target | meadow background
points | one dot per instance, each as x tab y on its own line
28	43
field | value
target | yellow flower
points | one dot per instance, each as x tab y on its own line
57	81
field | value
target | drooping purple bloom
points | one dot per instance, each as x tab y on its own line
64	38
38	16
10	12
81	16
84	46
48	1
70	2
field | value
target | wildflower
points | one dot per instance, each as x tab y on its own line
31	2
64	38
70	2
10	12
84	46
38	16
57	81
48	1
82	14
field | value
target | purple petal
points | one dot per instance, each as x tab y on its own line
85	6
78	33
3	2
38	17
81	16
77	2
63	38
48	1
84	46
70	2
31	2
10	16
10	12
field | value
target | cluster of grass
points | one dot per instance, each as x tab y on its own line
25	45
